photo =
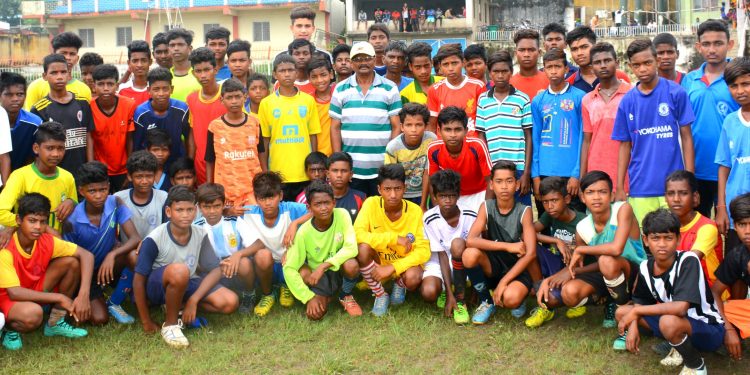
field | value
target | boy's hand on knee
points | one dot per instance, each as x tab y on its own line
64	209
732	342
497	296
632	341
542	295
316	307
383	273
106	270
82	308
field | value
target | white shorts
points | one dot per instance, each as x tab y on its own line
432	267
472	202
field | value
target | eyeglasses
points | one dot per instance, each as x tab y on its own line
361	59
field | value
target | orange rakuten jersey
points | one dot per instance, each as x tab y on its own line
234	150
110	134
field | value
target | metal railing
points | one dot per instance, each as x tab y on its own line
497	33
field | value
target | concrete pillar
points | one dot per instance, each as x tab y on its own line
350	11
470	14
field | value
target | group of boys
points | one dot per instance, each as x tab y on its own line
204	187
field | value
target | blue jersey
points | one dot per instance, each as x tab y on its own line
711	104
557	133
733	151
405	81
175	122
22	137
223	73
99	240
651	122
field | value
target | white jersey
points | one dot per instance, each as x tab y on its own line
441	234
145	217
229	235
272	237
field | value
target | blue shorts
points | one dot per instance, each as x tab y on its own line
549	262
155	287
278	274
523	198
706	337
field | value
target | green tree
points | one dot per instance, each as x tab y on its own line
10	10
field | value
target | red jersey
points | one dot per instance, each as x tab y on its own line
530	85
473	163
699	235
466	95
110	134
140	96
202	112
19	269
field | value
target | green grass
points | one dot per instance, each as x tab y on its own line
414	338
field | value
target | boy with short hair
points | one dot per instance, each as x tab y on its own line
560	221
602	261
239	61
395	63
528	79
556	134
324	252
455	90
146	203
501	260
180	45
446	227
72	111
89	61
176	264
112	134
390	237
504	122
139	61
205	105
733	274
158	144
732	150
233	242
599	109
163	112
379	37
182	172
162	58
23	124
580	40
67	44
419	59
43	176
671	298
342	62
712	103
410	150
475	63
217	40
648	134
339	174
320	73
697	232
303	27
234	152
93	225
315	169
289	124
275	222
467	156
32	265
302	51
257	90
667	54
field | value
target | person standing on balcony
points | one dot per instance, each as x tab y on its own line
361	17
303	27
414	19
406	26
396	16
619	14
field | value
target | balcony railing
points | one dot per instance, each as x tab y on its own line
498	33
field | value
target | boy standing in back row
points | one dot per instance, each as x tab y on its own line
648	134
711	103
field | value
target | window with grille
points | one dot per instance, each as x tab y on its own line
87	36
209	26
124	36
261	31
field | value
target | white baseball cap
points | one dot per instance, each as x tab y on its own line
363	48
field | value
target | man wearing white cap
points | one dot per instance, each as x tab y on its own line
364	117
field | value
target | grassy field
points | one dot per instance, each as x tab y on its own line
414	338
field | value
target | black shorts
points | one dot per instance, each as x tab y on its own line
97	291
328	284
500	266
292	189
601	292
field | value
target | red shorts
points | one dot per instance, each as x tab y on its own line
6	303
